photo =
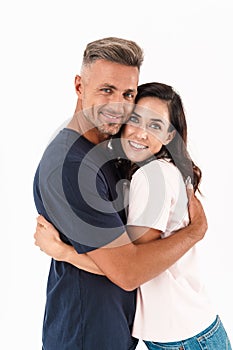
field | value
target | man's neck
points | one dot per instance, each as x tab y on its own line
93	135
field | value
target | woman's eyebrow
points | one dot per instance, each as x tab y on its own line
136	114
158	120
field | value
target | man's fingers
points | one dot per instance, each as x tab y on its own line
42	221
35	242
190	192
40	229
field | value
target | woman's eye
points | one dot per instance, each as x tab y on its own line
155	126
133	119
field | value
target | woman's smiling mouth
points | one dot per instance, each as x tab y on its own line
137	146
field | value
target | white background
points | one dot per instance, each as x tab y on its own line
187	44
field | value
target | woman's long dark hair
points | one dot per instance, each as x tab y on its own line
176	151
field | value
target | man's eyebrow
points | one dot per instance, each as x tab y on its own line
113	87
131	90
110	86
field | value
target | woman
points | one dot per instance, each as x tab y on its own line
173	310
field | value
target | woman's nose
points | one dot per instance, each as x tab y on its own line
141	133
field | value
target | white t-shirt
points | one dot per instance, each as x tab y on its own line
173	306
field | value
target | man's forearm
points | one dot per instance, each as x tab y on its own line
143	261
153	258
131	265
81	261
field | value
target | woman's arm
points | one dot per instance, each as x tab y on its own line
48	239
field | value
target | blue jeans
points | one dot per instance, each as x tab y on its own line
212	338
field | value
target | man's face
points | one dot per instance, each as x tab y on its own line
107	91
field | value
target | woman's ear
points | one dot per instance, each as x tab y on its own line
170	137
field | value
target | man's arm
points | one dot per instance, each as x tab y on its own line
48	240
129	265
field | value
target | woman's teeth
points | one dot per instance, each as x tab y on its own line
137	145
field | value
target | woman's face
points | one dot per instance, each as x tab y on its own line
147	129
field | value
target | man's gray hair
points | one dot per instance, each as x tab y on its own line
113	49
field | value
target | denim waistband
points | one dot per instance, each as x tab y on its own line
210	330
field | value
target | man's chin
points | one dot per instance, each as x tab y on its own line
109	129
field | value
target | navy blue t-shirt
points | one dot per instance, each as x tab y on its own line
77	188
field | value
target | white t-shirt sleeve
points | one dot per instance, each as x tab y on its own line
150	197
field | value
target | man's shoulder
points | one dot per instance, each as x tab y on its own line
63	140
66	143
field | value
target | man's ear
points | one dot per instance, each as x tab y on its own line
170	137
77	84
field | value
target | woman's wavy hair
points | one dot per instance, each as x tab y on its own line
176	151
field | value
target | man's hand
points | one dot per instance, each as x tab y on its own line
48	240
197	216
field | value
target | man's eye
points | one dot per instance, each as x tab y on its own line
106	90
129	95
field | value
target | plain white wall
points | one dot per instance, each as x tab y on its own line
187	44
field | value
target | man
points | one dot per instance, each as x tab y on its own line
75	188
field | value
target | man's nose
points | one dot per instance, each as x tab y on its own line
116	106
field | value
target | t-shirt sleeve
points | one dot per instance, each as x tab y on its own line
149	198
78	204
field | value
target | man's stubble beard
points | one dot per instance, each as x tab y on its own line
109	129
103	128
